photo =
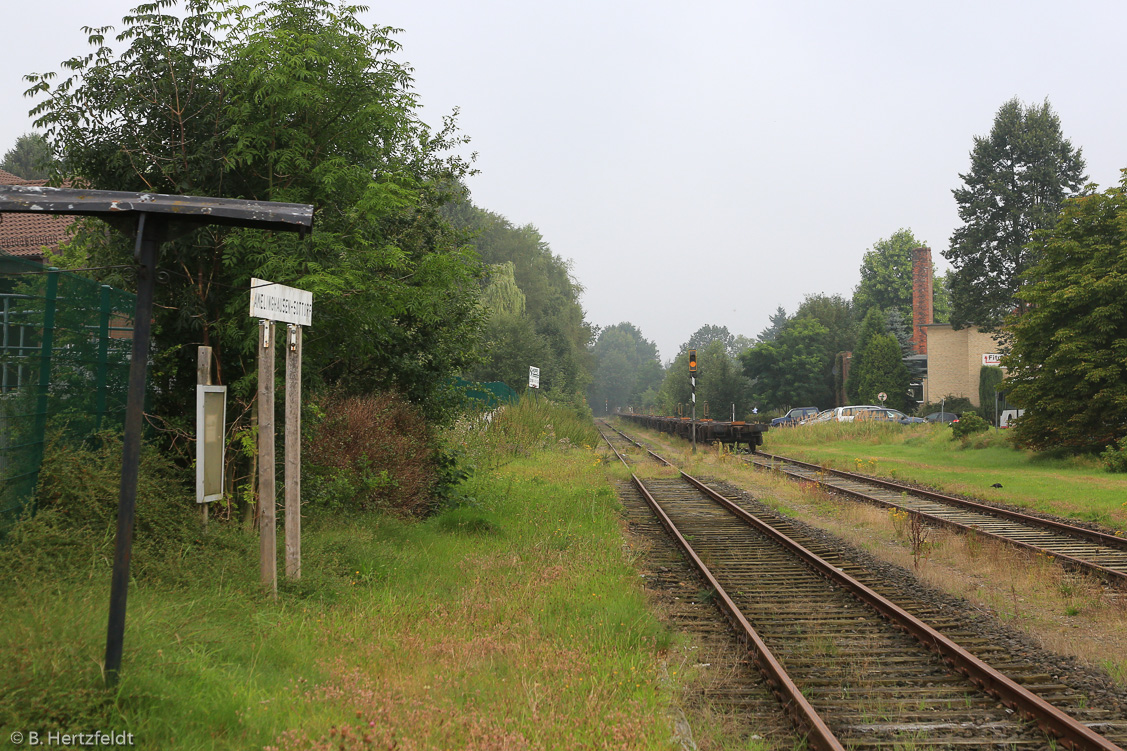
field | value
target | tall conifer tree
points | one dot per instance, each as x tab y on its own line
1020	175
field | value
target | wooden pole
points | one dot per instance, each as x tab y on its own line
267	534
250	509
293	452
203	378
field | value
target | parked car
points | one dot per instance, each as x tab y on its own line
842	414
822	416
891	415
794	417
942	417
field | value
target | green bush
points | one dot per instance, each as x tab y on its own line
949	403
74	526
969	423
1114	457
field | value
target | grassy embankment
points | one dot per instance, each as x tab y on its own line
1070	486
512	621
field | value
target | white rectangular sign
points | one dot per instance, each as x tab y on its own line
277	302
211	424
992	359
533	377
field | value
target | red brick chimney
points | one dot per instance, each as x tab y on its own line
922	311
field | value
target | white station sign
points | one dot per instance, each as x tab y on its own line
277	302
533	377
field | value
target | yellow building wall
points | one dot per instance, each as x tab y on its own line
954	360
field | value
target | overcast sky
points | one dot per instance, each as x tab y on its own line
706	163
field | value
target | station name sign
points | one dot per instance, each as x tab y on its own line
277	302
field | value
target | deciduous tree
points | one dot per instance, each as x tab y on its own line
886	275
1068	363
296	101
835	313
790	371
720	382
551	295
707	334
1019	176
626	366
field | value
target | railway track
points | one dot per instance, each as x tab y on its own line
1075	547
853	669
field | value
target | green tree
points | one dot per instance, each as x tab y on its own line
835	313
720	382
940	299
778	319
1068	363
707	334
989	379
551	293
790	371
874	324
882	370
502	294
513	345
886	275
30	158
626	366
1019	176
298	101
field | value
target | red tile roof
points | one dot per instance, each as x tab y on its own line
7	178
28	235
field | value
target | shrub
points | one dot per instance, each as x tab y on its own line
74	525
969	423
535	423
369	452
949	403
1114	457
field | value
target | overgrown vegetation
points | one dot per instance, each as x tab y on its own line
1114	457
76	514
370	452
514	615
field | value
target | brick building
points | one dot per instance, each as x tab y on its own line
955	360
950	360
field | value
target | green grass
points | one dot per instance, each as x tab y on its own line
1071	486
515	621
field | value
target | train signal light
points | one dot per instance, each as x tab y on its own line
692	361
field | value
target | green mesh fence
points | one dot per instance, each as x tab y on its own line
487	395
64	364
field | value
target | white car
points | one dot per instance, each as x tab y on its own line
852	412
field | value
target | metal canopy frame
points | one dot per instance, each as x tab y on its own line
120	208
152	218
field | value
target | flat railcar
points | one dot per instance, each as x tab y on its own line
734	433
